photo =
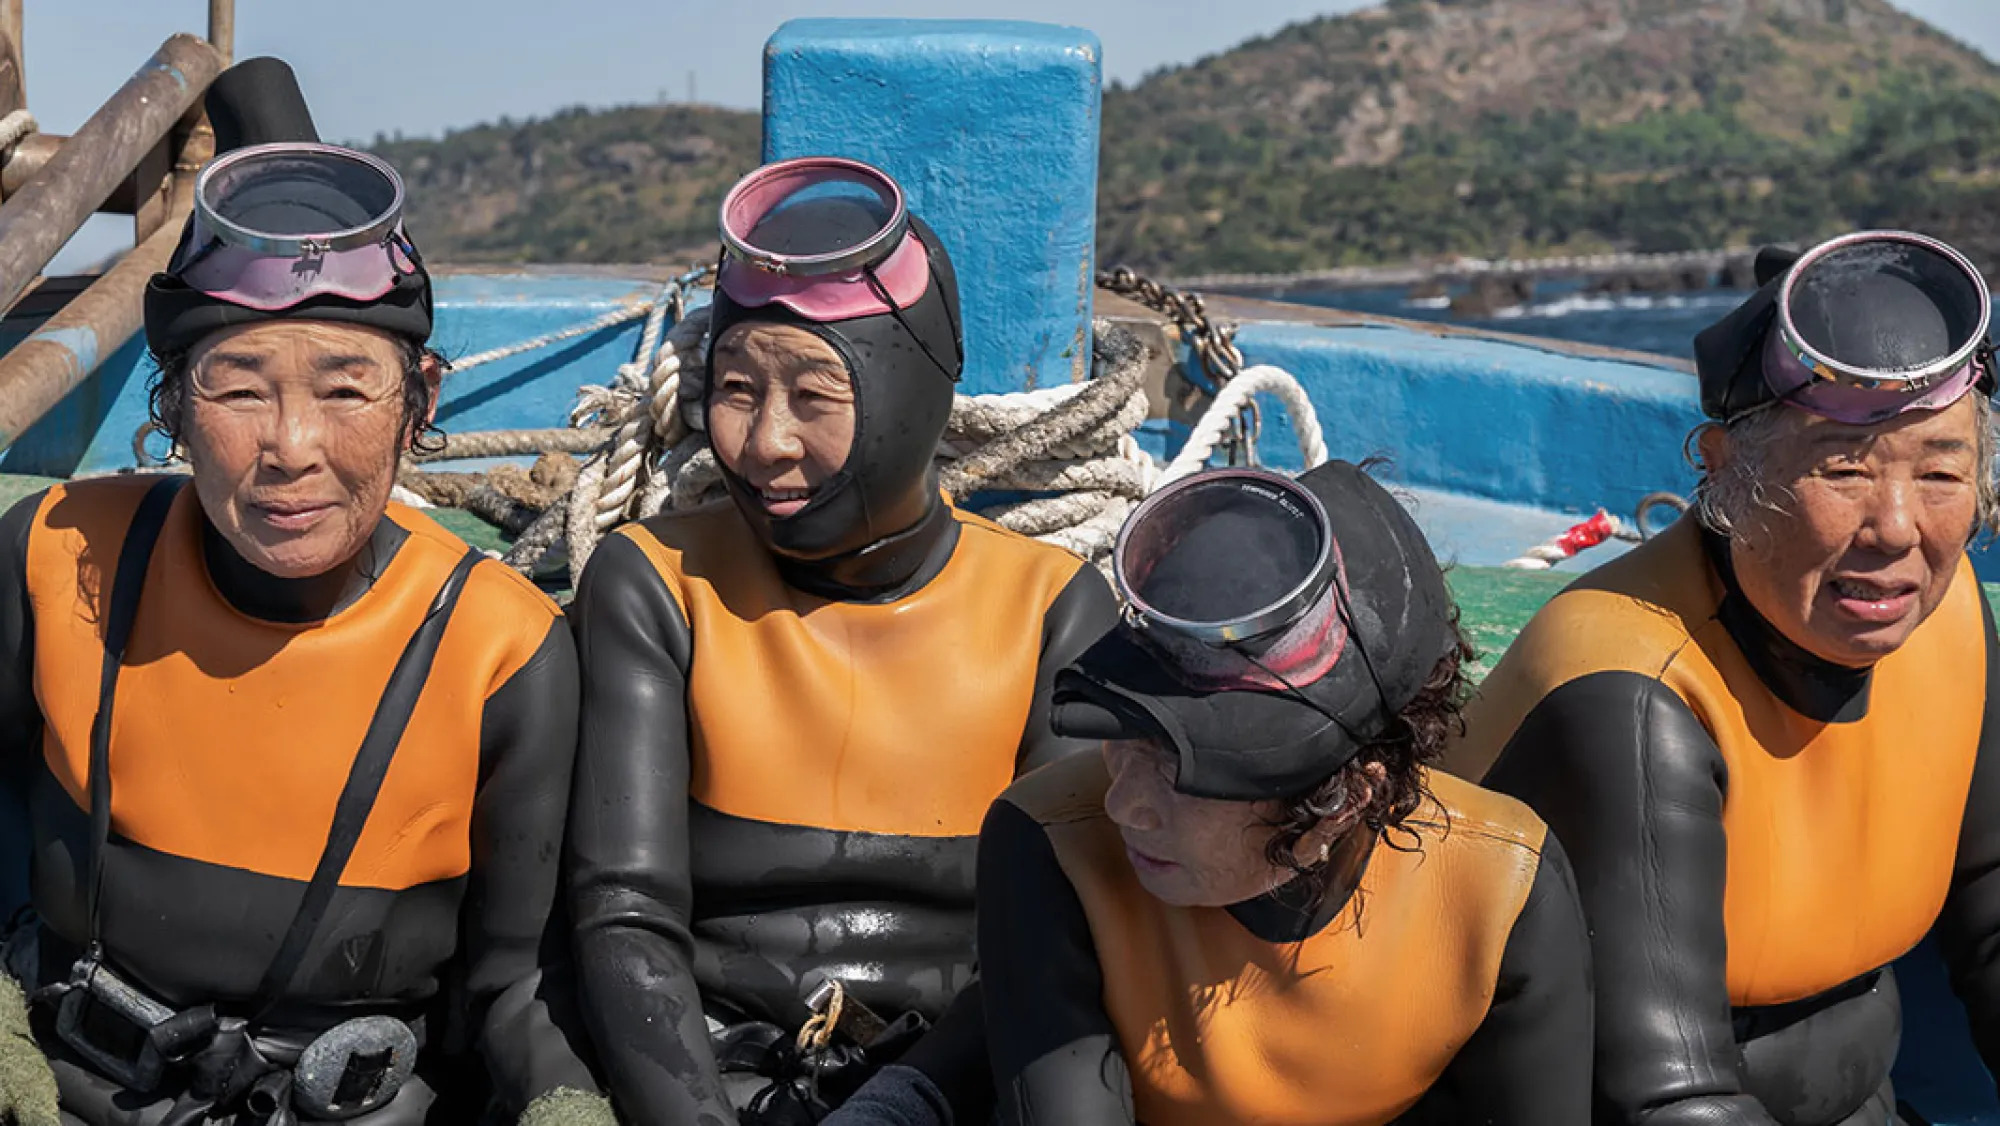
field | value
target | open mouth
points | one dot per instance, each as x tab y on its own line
784	502
1871	600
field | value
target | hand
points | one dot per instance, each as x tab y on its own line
27	1086
567	1106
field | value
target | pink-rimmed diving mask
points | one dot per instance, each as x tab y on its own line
1873	324
1275	623
275	225
826	237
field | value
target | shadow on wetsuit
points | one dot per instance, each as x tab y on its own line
240	707
1756	833
791	729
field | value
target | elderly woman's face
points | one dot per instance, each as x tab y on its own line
1189	851
1875	521
293	429
780	411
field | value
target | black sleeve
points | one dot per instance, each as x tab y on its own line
1969	928
630	887
1632	784
527	745
1529	1063
1084	611
1055	1053
20	715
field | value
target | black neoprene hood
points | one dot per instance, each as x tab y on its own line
902	401
258	102
1248	745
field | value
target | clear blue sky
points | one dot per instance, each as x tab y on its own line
422	66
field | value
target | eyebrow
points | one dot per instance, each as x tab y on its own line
246	361
342	361
1947	445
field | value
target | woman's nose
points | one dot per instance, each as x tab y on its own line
1890	524
1133	800
774	434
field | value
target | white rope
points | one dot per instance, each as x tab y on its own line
1230	401
1086	471
1579	538
623	314
16	127
401	495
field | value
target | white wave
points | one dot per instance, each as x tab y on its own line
1429	302
1604	303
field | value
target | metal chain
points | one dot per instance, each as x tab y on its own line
1214	343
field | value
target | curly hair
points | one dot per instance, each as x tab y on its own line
1415	740
167	390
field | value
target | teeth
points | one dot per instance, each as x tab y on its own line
1865	592
785	494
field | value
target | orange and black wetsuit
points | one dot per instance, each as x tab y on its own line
241	705
1447	983
783	771
1757	834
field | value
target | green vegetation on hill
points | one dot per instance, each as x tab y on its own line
1418	128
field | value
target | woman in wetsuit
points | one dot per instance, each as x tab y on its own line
799	701
292	757
1258	903
1765	735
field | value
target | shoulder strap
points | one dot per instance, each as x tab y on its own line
119	613
364	782
364	778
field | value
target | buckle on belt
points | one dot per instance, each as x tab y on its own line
113	1025
834	1010
355	1067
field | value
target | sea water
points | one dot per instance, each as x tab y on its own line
1665	324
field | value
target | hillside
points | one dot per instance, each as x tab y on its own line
1418	128
1505	126
636	184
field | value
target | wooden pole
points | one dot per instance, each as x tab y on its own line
38	372
70	346
221	28
83	173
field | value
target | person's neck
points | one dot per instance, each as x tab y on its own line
260	594
892	567
1808	684
1307	904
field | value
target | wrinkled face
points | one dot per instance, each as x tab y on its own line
293	429
780	412
1189	851
1877	518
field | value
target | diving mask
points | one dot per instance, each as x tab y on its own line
1272	622
1873	324
277	224
826	237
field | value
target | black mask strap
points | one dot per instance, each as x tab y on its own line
881	291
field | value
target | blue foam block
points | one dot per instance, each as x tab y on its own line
991	127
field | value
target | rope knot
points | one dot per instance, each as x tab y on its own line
817	1033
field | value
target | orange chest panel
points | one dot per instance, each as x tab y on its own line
1842	836
901	718
1349	1027
232	737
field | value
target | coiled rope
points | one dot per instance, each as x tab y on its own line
1071	448
16	127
